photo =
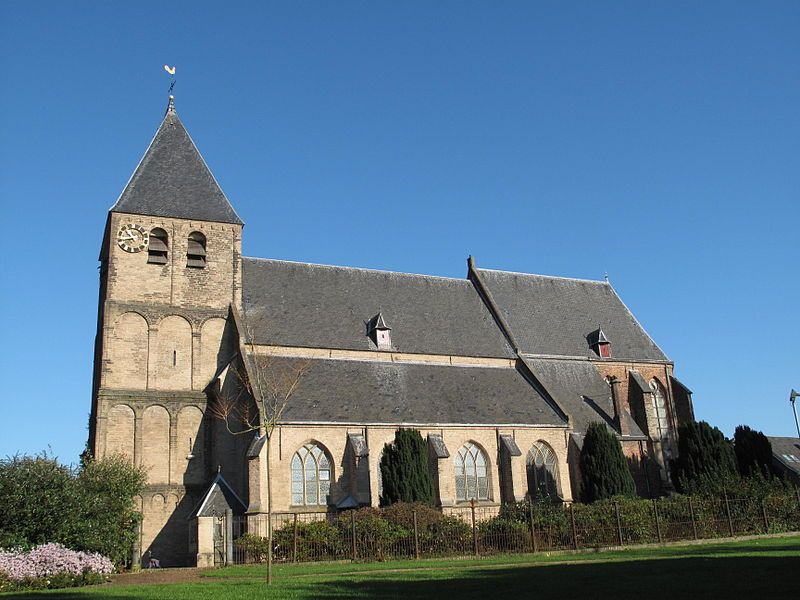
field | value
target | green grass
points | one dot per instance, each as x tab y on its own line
765	567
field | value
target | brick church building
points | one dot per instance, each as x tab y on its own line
501	372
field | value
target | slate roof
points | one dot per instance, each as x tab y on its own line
350	391
218	499
318	306
786	452
640	382
554	315
581	391
173	180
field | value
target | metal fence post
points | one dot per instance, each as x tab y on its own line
416	536
619	523
474	530
353	528
294	541
574	528
691	514
658	522
764	514
533	525
728	513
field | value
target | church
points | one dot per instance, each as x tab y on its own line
500	372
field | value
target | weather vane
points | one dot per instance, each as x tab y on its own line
171	71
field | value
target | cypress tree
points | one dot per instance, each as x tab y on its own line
706	460
753	452
604	468
404	469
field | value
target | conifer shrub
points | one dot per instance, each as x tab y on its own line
404	469
706	463
753	452
604	468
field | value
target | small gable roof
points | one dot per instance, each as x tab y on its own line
173	180
318	306
581	391
552	316
218	499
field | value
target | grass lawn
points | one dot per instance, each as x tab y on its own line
767	568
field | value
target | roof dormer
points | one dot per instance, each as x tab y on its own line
599	343
379	332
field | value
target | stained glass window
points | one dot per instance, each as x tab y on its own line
472	477
662	421
542	472
311	476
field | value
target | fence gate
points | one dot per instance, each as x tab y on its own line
220	545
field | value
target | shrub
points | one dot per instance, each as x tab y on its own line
706	462
500	534
51	566
753	452
256	547
404	469
89	508
604	469
402	514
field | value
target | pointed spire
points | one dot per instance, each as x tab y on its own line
173	180
380	323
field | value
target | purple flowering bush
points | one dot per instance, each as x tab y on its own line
51	566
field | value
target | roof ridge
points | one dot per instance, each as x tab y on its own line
636	321
598	281
364	269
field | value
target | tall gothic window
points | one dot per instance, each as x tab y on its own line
472	478
196	250
542	472
311	476
662	421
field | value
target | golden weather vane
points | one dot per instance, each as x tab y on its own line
171	71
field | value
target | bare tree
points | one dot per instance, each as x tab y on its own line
254	399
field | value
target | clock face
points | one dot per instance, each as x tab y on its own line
132	238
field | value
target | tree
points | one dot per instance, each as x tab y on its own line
87	508
753	452
106	489
253	397
706	461
604	469
404	469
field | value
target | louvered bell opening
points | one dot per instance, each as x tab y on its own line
155	257
196	248
195	261
157	244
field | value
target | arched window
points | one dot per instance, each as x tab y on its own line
542	472
662	419
660	406
196	250
157	248
472	478
311	476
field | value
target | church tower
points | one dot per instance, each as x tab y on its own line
170	271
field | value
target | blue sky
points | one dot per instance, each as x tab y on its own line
657	141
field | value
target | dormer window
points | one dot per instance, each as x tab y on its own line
599	343
196	251
157	248
380	332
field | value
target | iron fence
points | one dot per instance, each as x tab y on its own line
372	534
